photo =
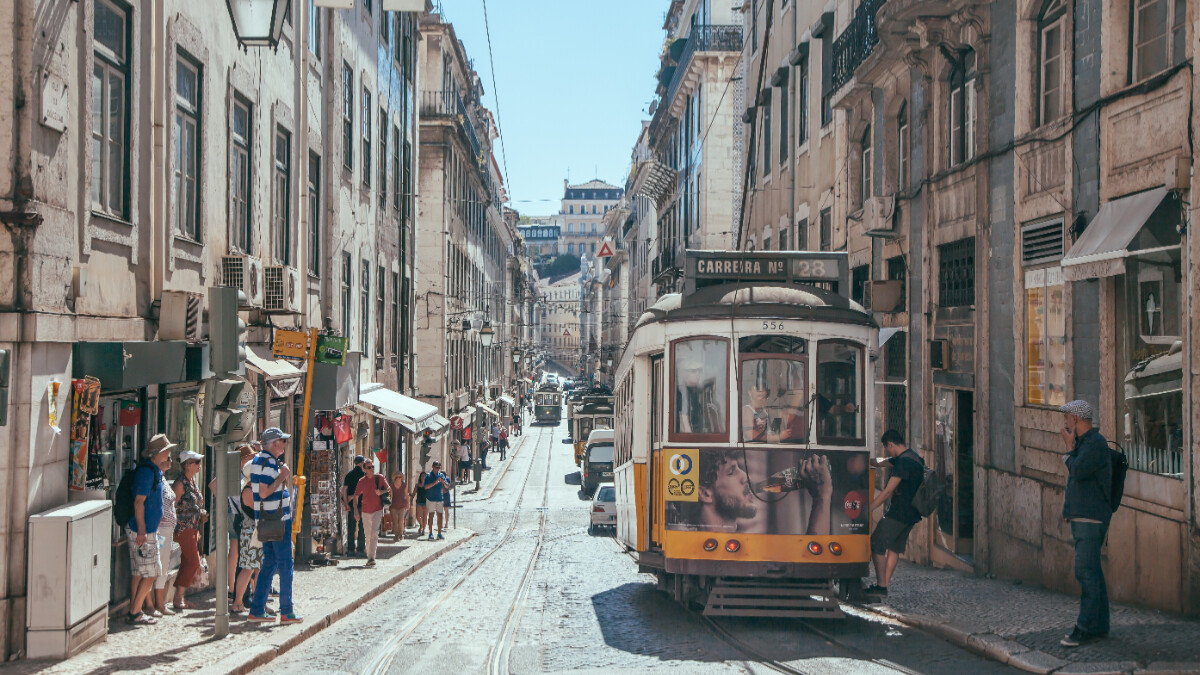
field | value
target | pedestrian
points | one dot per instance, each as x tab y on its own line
250	552
503	443
419	502
370	504
435	489
142	537
269	479
890	536
166	530
355	537
399	506
1086	508
484	446
464	460
494	433
190	517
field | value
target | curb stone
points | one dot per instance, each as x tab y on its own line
248	660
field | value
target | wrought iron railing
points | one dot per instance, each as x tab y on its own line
855	43
450	104
704	39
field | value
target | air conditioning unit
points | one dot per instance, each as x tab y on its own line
887	296
180	316
246	273
879	216
281	287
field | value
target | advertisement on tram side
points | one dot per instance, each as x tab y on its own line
759	491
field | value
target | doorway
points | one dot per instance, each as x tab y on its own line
954	445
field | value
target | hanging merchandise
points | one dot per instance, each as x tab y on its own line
85	396
324	424
342	430
131	414
380	456
52	390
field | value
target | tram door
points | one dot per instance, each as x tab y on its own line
655	463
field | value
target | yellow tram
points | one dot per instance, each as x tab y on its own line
589	413
743	440
547	404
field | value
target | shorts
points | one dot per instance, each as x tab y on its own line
464	464
437	507
421	502
890	535
144	561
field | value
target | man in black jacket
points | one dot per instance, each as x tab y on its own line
1086	508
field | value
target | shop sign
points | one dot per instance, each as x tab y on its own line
290	344
331	350
456	423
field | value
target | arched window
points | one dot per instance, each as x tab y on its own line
962	109
903	148
1052	28
865	183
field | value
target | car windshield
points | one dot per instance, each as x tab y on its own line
601	453
606	494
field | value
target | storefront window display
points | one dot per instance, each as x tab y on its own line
1045	338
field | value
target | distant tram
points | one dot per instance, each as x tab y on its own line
547	404
589	413
743	439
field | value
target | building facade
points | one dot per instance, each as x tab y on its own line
557	323
541	235
581	216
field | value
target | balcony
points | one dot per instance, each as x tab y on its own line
855	44
703	39
450	104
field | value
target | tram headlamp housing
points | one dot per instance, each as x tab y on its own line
733	546
814	548
710	545
835	548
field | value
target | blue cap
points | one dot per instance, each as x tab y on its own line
359	459
272	434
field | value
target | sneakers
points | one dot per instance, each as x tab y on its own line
291	617
431	537
371	562
1079	637
256	618
440	536
876	589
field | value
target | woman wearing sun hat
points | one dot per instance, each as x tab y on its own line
190	516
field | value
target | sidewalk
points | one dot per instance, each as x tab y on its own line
1021	625
496	470
184	643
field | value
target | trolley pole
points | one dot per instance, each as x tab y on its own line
476	465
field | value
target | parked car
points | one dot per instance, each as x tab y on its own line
597	464
604	509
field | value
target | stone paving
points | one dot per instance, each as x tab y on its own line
185	643
1022	624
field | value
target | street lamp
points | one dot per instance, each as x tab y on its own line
516	354
257	23
486	335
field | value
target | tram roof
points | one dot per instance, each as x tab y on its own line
760	300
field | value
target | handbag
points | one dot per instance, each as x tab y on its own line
203	578
385	498
271	525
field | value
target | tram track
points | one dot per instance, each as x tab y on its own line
386	655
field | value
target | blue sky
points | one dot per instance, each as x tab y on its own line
575	82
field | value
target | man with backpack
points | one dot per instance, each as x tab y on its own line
139	506
890	536
1088	507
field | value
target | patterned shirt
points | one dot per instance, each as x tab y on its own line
264	469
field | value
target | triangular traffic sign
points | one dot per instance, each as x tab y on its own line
605	250
567	332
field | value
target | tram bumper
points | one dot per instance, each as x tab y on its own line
765	569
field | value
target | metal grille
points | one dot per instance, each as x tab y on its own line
895	407
895	357
1041	242
956	273
273	283
233	271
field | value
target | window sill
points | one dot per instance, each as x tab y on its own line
108	218
184	239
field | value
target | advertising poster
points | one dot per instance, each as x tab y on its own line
797	492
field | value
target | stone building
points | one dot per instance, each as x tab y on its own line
557	323
542	235
583	209
465	242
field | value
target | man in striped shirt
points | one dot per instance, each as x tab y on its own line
269	478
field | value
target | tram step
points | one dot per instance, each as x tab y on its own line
772	599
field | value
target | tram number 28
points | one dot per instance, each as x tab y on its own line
774	325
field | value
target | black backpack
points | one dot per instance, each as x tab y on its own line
1120	467
929	493
123	500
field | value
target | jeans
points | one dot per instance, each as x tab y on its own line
370	523
354	525
277	557
1093	600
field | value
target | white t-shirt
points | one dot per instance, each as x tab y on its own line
464	452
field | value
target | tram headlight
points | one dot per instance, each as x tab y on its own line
733	546
835	548
710	545
814	548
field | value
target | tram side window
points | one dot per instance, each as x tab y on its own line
773	384
840	392
700	383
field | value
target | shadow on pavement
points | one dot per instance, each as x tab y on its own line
572	478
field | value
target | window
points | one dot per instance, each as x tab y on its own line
366	137
187	147
699	407
956	273
281	197
1052	28
239	176
866	168
897	270
826	77
396	326
753	26
802	235
826	226
1045	337
1159	34
860	277
314	214
962	110
347	116
383	156
570	209
396	180
380	323
364	334
593	208
903	148
385	21
773	385
314	29
840	395
784	236
346	290
766	133
110	109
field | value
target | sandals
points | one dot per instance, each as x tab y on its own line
140	619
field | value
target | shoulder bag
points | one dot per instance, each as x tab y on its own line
271	525
386	497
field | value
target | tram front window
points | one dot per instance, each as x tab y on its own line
773	383
840	393
701	386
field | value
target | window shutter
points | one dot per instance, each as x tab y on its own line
1042	242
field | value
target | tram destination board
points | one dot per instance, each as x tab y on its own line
706	268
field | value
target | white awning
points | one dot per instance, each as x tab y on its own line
407	412
507	400
487	410
261	359
438	424
1104	245
467	414
886	334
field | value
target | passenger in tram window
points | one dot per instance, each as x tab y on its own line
782	418
700	384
